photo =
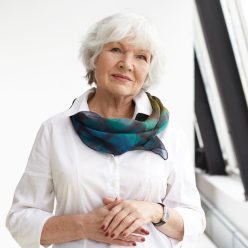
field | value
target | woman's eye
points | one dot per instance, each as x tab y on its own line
116	49
143	57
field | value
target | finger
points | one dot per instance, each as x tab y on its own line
109	217
126	222
142	230
106	200
123	242
134	226
113	204
135	238
120	223
109	207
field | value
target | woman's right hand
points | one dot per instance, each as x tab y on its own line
93	229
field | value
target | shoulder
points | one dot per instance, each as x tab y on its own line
63	118
55	120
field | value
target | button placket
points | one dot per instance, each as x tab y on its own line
116	181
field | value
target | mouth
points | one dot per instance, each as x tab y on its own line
121	77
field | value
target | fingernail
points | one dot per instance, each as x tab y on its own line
143	239
134	244
124	234
112	235
103	227
106	234
144	231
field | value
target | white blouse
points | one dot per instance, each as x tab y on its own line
62	167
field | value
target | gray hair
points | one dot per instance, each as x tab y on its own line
118	27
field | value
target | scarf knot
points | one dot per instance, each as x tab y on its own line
117	136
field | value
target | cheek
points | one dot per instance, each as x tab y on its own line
104	64
101	69
143	73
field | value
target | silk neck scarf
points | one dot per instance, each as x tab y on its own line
117	136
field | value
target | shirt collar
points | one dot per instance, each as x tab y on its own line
142	104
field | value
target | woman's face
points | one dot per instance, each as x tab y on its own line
122	68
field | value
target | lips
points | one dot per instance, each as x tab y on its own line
121	76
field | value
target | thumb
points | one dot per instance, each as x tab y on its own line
107	200
111	202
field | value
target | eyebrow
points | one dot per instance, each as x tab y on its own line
122	45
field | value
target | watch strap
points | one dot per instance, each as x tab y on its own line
165	217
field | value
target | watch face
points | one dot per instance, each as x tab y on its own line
166	215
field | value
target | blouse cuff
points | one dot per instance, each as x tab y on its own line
194	225
30	234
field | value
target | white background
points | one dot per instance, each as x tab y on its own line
40	73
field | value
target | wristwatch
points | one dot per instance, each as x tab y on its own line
165	217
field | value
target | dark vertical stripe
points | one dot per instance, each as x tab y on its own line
228	80
211	154
200	157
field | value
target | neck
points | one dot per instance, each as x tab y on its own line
109	106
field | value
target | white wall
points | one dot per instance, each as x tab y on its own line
41	74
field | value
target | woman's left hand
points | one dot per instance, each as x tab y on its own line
129	215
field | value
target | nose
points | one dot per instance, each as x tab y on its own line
126	63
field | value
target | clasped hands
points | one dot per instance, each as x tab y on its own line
122	221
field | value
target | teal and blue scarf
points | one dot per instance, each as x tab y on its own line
117	136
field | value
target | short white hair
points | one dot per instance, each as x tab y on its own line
114	28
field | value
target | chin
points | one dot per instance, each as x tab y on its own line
123	93
122	90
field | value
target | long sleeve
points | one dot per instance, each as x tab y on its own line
182	194
34	196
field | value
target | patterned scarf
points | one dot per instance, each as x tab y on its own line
117	136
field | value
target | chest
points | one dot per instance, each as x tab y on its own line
79	170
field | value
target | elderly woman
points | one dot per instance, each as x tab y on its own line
119	174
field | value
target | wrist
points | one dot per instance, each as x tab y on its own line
81	223
165	216
158	213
